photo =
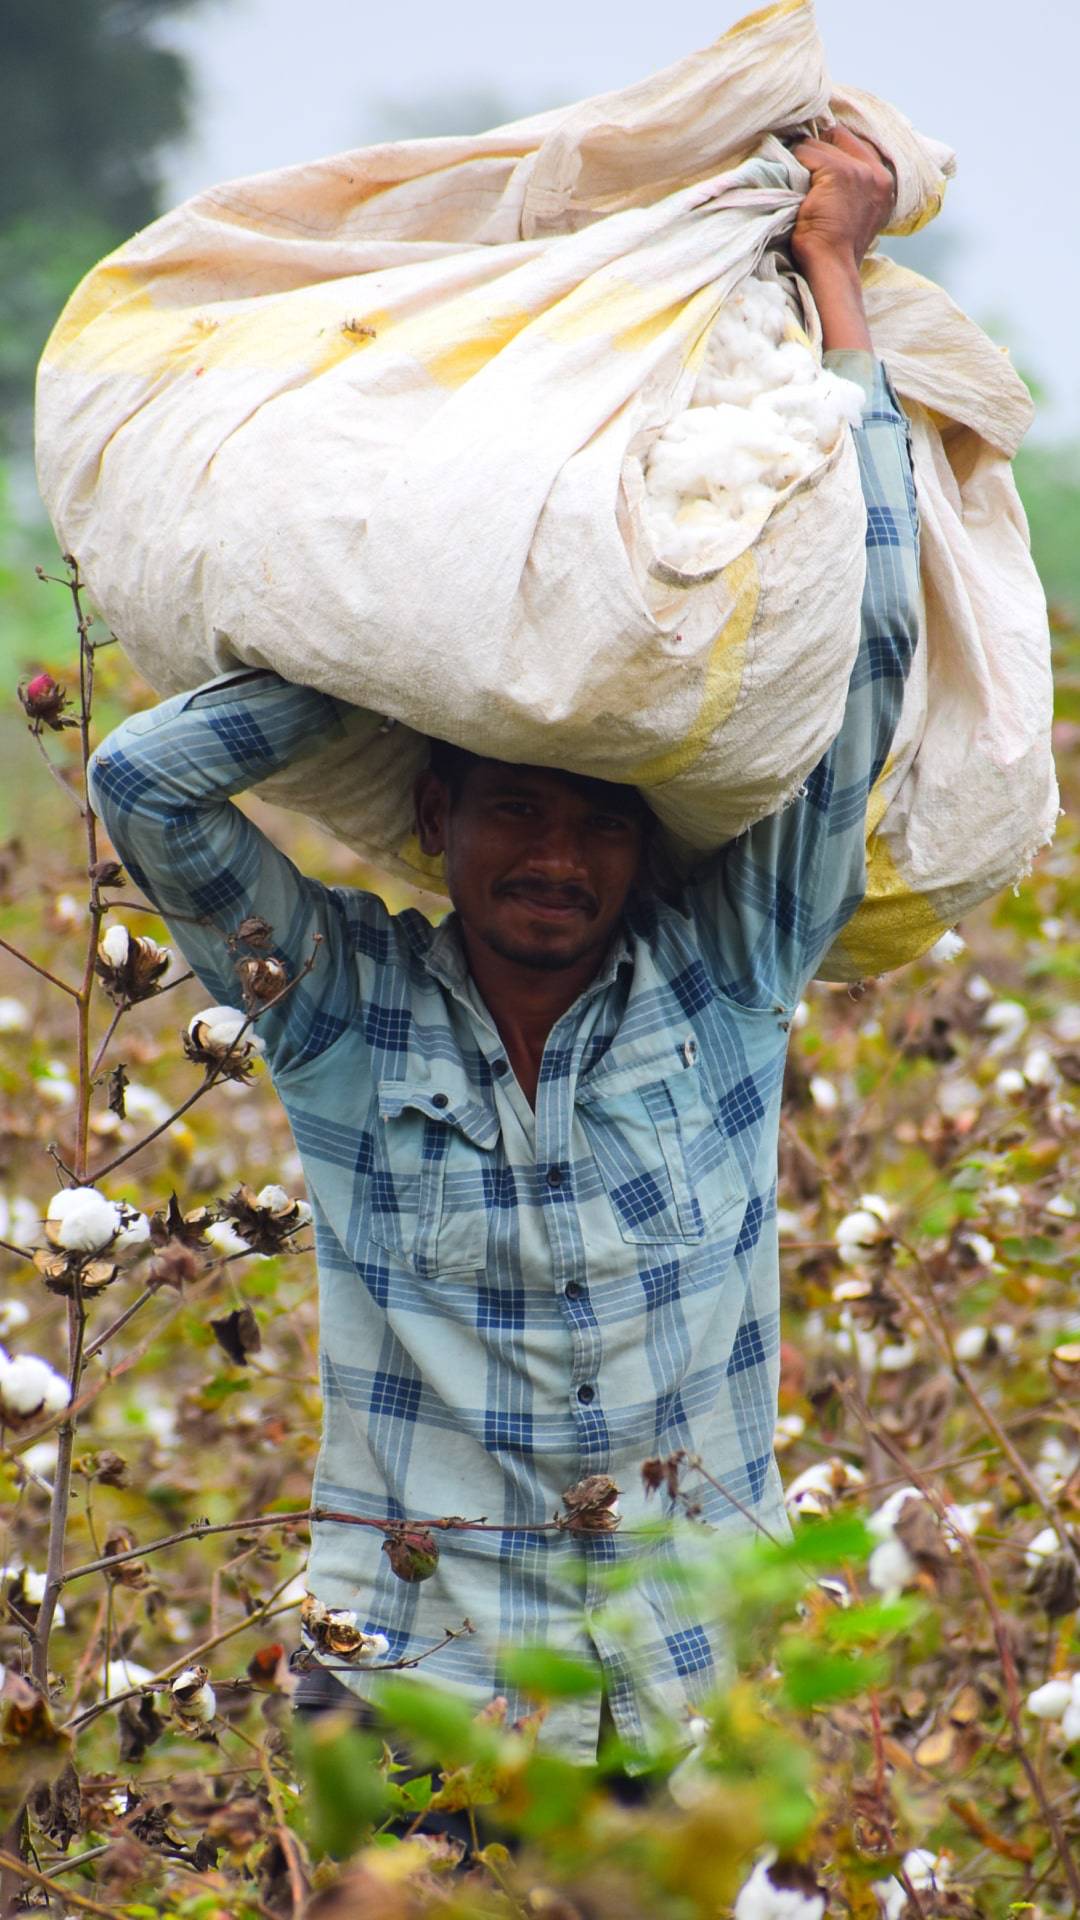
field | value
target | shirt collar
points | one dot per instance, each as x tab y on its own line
445	960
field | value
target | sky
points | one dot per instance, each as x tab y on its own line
282	81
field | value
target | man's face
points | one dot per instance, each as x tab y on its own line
538	866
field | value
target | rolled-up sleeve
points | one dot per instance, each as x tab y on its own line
776	898
162	786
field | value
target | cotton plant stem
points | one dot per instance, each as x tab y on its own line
930	1314
13	1866
286	1839
203	1530
213	1074
103	1044
979	1574
17	953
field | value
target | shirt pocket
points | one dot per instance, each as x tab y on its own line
661	1153
430	1200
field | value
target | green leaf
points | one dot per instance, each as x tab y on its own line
878	1620
437	1724
346	1792
547	1674
814	1677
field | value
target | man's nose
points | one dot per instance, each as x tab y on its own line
558	851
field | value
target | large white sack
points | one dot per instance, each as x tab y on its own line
380	423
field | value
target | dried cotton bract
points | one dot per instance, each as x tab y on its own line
334	1630
764	416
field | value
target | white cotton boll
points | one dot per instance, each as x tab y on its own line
122	1674
884	1518
857	1340
800	1017
273	1197
1039	1069
759	1899
1061	1207
1006	1020
979	988
1066	1024
980	1248
219	1028
1070	1720
29	1386
957	1096
966	1520
824	1094
1040	1549
114	945
373	1646
970	1342
898	1356
1010	1081
788	1224
1050	1701
14	1017
222	1236
891	1568
949	947
83	1220
923	1869
857	1235
1003	1199
789	1428
1052	928
817	1489
56	1086
13	1314
145	1107
134	1230
876	1204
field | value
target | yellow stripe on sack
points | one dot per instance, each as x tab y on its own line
451	362
922	215
894	924
431	865
627	313
723	677
758	19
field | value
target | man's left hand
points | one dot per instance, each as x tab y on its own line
852	195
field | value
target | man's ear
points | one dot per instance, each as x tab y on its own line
431	799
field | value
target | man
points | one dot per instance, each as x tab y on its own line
540	1140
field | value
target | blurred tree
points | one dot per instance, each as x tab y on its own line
88	100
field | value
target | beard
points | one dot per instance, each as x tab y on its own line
536	955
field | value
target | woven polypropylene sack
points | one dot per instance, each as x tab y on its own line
379	423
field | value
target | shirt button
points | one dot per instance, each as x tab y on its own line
554	1176
440	1099
500	1067
585	1394
574	1289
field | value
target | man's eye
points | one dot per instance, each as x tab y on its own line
518	809
611	823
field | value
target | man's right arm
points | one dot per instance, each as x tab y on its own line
161	784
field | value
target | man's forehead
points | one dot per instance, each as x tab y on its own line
494	776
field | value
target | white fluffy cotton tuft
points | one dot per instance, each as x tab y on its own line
764	415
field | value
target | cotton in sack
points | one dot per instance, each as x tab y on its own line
424	426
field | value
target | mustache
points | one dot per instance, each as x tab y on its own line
550	893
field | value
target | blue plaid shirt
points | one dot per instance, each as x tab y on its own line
512	1299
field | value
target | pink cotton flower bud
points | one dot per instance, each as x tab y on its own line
44	701
412	1553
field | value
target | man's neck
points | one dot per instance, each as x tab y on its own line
525	1002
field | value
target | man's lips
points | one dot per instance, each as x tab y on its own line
551	903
